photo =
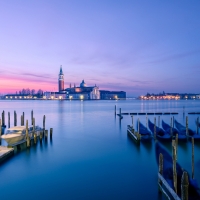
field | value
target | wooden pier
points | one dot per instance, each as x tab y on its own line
5	153
149	113
31	136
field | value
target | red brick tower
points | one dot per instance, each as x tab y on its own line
60	80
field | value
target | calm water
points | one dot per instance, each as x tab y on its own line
90	155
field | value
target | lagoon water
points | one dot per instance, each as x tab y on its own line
90	155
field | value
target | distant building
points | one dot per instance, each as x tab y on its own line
105	94
54	95
198	96
175	96
21	96
83	92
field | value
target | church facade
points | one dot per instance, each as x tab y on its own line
83	92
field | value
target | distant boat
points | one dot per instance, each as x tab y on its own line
182	129
145	133
160	133
181	135
193	189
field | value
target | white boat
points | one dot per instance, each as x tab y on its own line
18	133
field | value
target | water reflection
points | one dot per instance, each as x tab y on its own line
89	145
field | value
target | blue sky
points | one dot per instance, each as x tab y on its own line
135	46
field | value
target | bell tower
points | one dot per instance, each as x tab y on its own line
60	80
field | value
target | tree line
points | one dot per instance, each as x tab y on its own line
28	91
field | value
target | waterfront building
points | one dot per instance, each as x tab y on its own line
105	94
21	96
175	96
54	95
83	92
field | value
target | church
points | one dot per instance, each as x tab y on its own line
83	92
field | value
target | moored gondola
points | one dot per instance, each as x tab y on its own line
181	135
160	133
193	189
190	134
144	132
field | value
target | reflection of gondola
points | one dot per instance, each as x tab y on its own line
191	133
160	133
145	133
181	135
193	190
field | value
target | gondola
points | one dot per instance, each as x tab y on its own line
144	132
191	133
181	135
193	189
160	133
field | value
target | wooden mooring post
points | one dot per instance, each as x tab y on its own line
120	112
173	121
8	119
138	125
171	127
33	126
34	133
115	109
44	117
41	135
184	186
192	158
146	121
186	125
197	125
3	118
159	121
51	132
15	118
46	134
174	165
160	169
176	146
31	117
23	119
28	142
154	127
132	122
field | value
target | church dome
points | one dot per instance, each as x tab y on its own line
83	84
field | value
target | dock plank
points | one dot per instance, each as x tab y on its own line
5	152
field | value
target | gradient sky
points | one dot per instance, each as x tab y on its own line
135	46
